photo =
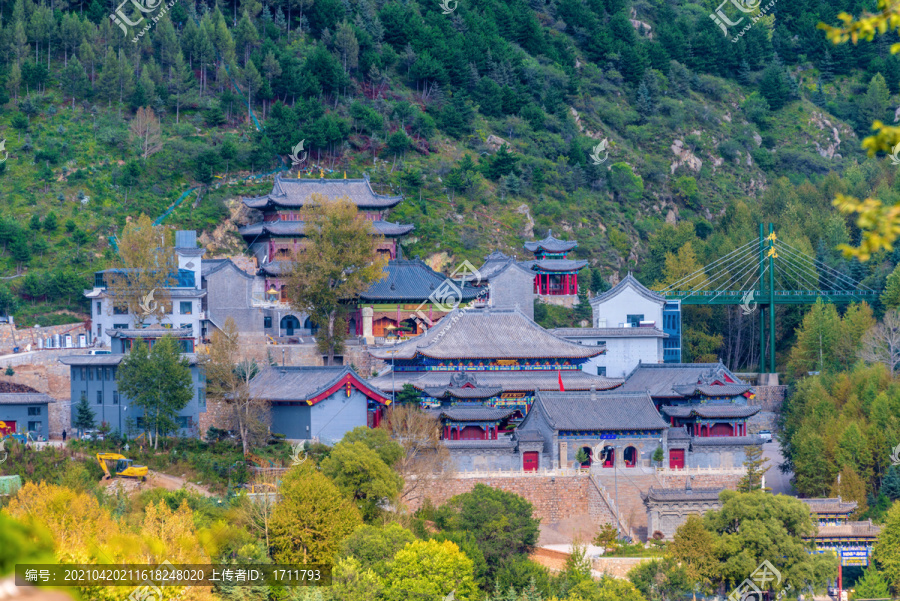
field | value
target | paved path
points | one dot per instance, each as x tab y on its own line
779	483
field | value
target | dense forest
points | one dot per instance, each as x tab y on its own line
485	116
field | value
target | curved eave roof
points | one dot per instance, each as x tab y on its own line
551	244
484	334
560	265
295	193
291	229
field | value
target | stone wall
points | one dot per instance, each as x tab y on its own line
769	398
555	498
618	567
712	480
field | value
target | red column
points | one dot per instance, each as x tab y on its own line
566	283
575	276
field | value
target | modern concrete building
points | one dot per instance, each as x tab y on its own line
318	403
22	412
626	348
186	297
630	304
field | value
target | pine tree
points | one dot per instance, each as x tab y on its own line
826	69
645	106
890	486
756	467
890	298
583	308
84	416
744	73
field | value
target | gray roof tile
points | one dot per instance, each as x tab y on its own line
111	360
293	383
294	193
610	333
683	494
298	228
662	378
726	441
629	281
24	398
553	265
463	393
475	414
508	381
612	410
551	244
487	334
850	529
830	505
709	410
412	281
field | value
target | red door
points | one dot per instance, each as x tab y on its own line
676	459
530	461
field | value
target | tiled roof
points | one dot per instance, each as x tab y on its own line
293	193
530	436
712	390
629	281
91	360
551	244
662	378
709	410
475	414
463	393
611	410
726	441
684	494
487	334
150	332
413	281
24	398
298	228
553	265
850	529
276	268
610	333
293	383
496	263
830	505
678	434
508	381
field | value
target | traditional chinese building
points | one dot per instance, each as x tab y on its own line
280	231
410	296
706	407
669	508
318	403
510	284
486	359
555	274
852	541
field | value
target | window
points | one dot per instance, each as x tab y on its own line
90	373
184	421
201	399
139	423
267	322
120	310
115	397
635	320
120	326
601	370
99	282
99	397
107	373
601	342
187	346
34	411
83	374
186	308
99	309
35	426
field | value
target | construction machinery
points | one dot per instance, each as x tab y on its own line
115	465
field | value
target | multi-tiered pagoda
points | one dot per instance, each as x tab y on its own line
555	273
280	233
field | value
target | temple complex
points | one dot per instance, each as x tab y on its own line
669	508
705	406
852	541
279	233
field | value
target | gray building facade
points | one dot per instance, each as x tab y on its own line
22	412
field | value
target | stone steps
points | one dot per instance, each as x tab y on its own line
631	487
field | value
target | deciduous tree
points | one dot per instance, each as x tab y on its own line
145	268
424	455
145	130
430	570
339	261
887	548
881	344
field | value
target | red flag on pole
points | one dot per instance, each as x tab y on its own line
561	387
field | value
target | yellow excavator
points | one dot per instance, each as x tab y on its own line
115	465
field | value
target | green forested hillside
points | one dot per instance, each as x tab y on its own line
485	118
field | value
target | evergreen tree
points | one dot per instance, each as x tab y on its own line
645	106
774	87
826	69
598	284
890	298
744	73
890	486
874	105
84	416
583	308
872	585
756	466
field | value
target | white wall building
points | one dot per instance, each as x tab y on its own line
625	348
186	297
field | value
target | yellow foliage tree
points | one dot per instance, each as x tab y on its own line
880	224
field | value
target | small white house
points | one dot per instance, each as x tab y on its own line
625	348
186	297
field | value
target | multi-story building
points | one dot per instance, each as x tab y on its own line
96	379
186	297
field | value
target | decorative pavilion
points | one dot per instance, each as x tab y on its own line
279	234
555	273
